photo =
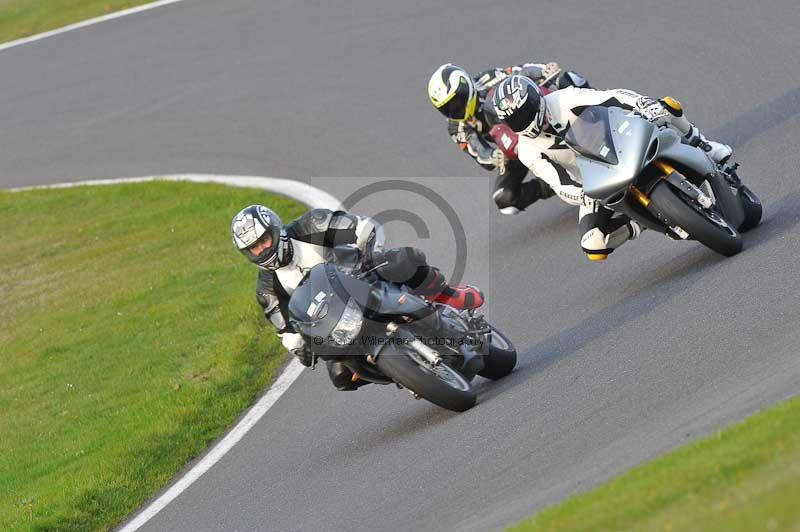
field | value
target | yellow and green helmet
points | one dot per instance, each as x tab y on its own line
452	91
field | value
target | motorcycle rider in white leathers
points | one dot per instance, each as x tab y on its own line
541	121
284	254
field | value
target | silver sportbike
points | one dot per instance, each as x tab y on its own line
647	173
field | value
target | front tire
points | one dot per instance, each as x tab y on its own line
707	227
442	386
502	357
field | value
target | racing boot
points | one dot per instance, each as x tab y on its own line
436	289
718	152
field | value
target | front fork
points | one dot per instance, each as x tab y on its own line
430	355
678	181
471	364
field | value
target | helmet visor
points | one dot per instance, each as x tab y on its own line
263	251
538	123
459	108
528	119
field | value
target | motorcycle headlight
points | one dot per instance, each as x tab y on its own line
349	324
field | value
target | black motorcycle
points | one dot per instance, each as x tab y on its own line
384	335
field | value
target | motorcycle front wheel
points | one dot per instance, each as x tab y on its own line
704	225
441	384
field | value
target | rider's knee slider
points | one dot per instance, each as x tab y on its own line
504	198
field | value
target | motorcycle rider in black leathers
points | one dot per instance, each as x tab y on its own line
285	254
467	103
541	121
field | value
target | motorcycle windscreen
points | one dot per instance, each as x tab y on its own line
314	308
319	301
348	287
590	135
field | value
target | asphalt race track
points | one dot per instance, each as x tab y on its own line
618	361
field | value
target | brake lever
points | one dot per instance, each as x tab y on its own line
364	274
552	76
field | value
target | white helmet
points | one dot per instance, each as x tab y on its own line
256	232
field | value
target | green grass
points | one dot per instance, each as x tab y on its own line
744	478
130	338
20	18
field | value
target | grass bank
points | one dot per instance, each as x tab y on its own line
744	478
21	18
129	339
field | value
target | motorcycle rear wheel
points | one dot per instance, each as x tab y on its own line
502	357
705	226
752	209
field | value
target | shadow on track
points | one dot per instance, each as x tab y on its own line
759	119
414	418
427	416
661	285
783	215
559	222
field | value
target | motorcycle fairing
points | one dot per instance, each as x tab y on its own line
637	143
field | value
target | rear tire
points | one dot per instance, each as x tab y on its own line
752	209
396	363
502	357
707	227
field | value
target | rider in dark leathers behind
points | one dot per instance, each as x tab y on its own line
467	104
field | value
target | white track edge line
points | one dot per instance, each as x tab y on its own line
301	192
289	375
85	23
